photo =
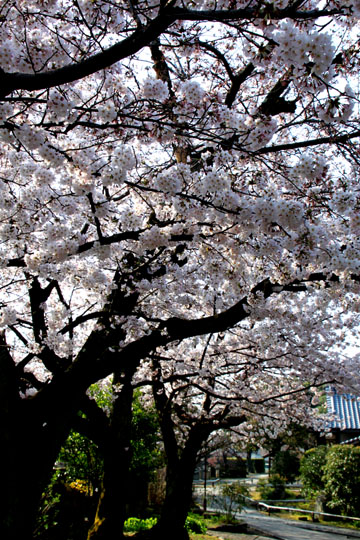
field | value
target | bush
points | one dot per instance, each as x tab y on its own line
274	489
342	478
195	525
234	468
312	470
134	524
83	461
66	510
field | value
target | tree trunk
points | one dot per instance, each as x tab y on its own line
111	510
31	435
179	481
171	524
27	467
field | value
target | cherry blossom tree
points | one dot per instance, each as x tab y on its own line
254	388
168	170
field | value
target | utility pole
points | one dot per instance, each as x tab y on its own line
205	482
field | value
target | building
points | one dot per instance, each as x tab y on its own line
344	423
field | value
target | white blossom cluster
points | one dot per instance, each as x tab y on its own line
261	131
170	182
354	6
300	48
153	238
337	110
123	160
193	92
310	166
59	105
215	181
155	89
107	112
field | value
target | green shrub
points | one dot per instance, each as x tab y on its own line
195	525
231	500
274	489
66	510
258	465
312	470
134	524
234	467
342	478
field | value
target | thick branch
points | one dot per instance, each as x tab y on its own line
237	81
8	378
274	103
247	14
97	62
141	38
312	142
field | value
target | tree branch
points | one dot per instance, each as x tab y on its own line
141	38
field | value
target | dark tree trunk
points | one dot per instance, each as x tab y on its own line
179	481
28	449
31	435
177	503
111	510
29	452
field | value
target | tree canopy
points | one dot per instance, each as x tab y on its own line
178	179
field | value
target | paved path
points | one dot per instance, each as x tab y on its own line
237	536
286	529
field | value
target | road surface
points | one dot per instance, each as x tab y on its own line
286	529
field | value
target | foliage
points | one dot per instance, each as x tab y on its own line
65	510
258	465
233	467
49	508
342	479
134	524
335	472
83	461
103	394
312	469
193	524
285	464
147	454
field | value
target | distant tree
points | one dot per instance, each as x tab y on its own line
286	464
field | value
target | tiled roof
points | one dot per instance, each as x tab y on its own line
345	410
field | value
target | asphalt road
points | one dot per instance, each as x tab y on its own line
284	529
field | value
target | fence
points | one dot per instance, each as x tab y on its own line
216	504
